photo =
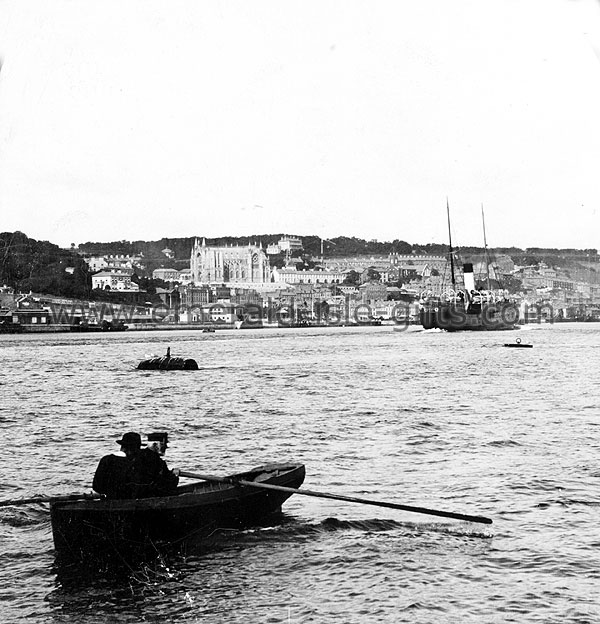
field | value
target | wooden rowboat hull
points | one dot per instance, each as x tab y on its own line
92	528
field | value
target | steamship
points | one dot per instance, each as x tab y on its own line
467	309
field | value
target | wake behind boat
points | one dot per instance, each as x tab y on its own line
86	529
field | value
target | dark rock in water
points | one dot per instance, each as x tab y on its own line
168	363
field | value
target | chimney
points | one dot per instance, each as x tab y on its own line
469	277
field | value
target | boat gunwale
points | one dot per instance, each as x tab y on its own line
195	494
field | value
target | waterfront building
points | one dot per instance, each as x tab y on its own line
25	311
222	313
400	312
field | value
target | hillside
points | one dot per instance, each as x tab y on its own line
27	265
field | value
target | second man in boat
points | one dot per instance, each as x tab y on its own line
140	474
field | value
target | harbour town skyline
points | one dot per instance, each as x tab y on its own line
229	285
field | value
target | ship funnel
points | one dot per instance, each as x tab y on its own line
469	277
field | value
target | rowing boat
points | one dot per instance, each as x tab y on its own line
87	528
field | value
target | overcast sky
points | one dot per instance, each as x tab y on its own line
138	120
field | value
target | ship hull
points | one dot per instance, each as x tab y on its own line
456	317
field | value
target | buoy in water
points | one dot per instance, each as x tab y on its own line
168	363
518	343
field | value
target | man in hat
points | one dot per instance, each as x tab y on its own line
140	474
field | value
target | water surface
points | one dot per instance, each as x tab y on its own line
447	421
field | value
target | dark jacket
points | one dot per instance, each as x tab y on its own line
151	475
141	476
114	477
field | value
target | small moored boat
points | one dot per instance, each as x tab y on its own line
85	529
518	343
168	363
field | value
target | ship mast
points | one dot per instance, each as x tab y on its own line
451	250
487	258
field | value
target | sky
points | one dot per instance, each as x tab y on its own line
138	120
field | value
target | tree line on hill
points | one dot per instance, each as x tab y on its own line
334	247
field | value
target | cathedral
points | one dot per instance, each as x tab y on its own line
239	266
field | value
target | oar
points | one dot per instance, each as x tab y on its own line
47	499
348	499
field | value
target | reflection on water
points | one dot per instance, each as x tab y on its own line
231	568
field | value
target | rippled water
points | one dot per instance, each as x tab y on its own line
447	421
